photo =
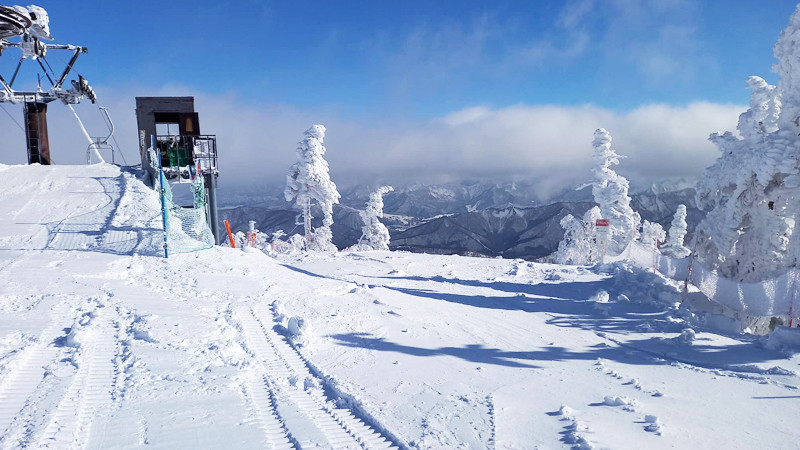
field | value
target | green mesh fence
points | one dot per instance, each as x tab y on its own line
187	228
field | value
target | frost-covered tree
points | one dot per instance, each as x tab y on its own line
578	246
652	234
375	235
308	180
677	233
610	191
750	192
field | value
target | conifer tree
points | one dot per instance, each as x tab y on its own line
676	235
374	234
308	181
750	192
610	191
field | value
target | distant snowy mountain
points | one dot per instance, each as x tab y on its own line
660	207
528	233
489	219
668	185
510	232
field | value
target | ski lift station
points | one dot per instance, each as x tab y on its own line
170	139
172	150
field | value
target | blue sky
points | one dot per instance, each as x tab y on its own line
425	58
373	67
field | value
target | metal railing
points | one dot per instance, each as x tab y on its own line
180	152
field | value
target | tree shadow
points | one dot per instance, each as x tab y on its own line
569	304
306	272
577	290
647	351
580	313
475	353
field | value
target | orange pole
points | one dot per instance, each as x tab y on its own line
230	235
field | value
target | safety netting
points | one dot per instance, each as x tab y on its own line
187	228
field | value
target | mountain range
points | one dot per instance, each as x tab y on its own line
484	219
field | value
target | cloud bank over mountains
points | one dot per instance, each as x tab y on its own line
547	143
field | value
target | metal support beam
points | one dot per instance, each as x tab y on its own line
39	60
213	218
71	63
6	87
16	72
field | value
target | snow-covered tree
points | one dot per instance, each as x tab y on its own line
375	235
308	180
652	234
750	192
610	191
578	246
677	232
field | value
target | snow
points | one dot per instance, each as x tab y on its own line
104	343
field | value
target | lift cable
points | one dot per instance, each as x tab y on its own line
12	117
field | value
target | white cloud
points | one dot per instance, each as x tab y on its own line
550	144
656	37
574	12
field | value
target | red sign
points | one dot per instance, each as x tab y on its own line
601	223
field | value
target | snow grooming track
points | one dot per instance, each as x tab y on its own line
20	383
296	397
88	400
264	403
354	415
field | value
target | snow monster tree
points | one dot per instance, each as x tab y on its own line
751	191
375	235
610	191
578	247
676	235
308	180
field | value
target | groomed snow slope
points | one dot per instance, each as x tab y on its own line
106	344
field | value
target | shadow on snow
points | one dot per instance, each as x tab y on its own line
568	305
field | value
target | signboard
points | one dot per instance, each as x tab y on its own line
602	232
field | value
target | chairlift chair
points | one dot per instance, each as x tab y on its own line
101	143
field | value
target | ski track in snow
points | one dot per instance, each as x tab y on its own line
89	398
297	402
29	370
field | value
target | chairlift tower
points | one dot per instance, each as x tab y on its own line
172	124
29	27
